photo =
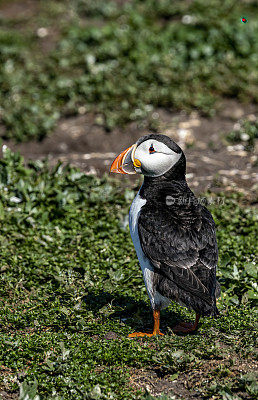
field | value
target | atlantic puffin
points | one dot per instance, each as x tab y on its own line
173	234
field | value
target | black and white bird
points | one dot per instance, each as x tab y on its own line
173	234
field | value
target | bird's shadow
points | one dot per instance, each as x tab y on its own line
135	314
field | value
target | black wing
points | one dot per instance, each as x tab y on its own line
178	236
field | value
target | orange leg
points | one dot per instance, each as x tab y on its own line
187	327
156	331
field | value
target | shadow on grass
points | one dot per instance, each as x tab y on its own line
135	314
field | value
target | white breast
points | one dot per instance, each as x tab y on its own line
146	267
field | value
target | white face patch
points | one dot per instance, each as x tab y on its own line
156	158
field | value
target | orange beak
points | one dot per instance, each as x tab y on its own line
124	162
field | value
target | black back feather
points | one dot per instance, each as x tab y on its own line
177	234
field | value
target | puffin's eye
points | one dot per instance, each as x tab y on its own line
151	149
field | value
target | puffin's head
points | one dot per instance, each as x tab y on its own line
152	155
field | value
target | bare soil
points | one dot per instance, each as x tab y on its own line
188	385
212	164
23	9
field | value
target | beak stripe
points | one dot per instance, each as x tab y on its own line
118	162
120	165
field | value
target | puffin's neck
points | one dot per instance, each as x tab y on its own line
153	188
173	179
163	179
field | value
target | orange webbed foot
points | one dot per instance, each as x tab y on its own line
184	327
187	327
156	331
142	334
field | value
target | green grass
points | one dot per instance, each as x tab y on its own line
124	61
245	132
71	290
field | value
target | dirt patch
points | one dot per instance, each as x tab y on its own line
8	396
151	381
189	385
24	16
7	373
19	9
211	163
